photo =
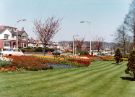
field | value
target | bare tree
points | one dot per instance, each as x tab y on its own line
99	43
122	38
130	21
45	30
79	44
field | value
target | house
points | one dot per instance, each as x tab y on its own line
34	43
37	43
66	45
22	39
11	37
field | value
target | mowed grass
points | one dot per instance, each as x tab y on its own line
101	79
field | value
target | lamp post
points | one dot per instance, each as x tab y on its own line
88	22
74	48
18	21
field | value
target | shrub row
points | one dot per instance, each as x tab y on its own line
36	49
84	53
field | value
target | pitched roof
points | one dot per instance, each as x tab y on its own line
12	30
2	28
21	32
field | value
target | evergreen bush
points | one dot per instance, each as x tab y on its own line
118	56
131	63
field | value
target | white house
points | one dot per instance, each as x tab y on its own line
8	37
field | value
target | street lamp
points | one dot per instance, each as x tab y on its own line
74	48
21	20
17	32
88	22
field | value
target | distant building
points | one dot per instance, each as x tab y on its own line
37	43
34	43
68	45
65	45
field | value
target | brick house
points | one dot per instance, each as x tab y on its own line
8	37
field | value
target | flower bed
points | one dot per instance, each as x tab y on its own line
28	63
34	63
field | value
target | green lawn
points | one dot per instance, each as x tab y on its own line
101	79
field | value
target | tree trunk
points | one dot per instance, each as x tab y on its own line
134	42
44	50
134	39
124	48
98	49
117	61
134	75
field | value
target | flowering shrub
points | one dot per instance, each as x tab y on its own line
43	57
28	62
89	55
107	58
67	60
8	68
125	59
5	59
81	62
5	64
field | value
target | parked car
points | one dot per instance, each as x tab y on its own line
10	52
56	52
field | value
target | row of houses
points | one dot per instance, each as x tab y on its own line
11	37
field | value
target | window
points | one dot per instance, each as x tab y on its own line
6	36
25	45
6	43
13	36
23	37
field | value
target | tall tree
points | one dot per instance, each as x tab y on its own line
99	43
122	38
45	30
130	20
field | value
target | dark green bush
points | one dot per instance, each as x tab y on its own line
4	63
28	49
84	53
49	49
131	63
118	56
38	49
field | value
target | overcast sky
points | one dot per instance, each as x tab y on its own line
104	16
